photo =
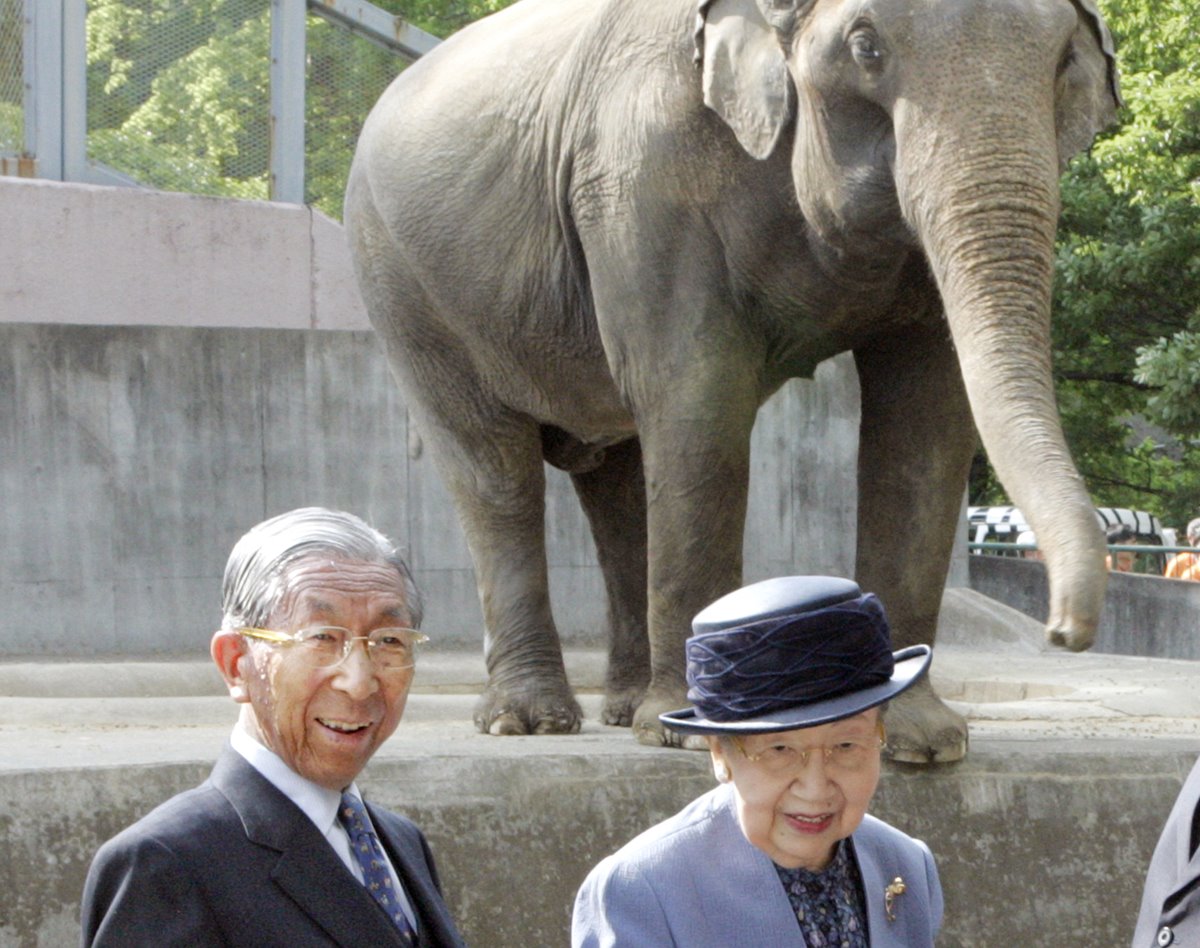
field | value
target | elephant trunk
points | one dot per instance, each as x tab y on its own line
987	224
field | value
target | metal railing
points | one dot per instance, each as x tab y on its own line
1150	560
995	546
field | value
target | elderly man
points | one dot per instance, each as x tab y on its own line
317	645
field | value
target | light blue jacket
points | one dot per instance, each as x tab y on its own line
695	881
1170	913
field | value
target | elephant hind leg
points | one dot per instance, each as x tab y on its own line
494	471
490	458
613	496
527	690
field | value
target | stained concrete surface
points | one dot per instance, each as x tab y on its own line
1042	835
134	455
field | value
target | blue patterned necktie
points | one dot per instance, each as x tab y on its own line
376	876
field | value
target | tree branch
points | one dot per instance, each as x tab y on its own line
1114	378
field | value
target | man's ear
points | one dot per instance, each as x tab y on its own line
228	649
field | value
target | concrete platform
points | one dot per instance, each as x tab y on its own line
1042	835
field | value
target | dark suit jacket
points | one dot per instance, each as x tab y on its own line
1170	913
235	862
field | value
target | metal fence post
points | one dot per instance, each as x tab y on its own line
74	90
42	107
288	19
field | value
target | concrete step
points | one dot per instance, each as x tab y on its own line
1075	760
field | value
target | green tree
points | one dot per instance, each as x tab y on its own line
178	93
12	77
1127	290
442	17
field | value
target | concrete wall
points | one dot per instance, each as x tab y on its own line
1143	615
166	382
1036	845
88	255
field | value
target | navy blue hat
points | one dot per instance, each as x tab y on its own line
791	652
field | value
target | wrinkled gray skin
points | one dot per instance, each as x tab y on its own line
580	246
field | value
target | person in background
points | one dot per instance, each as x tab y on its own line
1026	538
1120	535
317	645
1183	565
788	679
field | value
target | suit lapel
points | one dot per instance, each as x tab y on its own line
308	871
873	892
331	896
878	871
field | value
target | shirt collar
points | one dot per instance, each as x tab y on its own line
319	804
838	869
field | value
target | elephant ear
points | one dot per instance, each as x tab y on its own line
746	80
1091	97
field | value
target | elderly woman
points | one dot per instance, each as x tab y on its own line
787	680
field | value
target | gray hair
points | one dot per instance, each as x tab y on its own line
258	564
1193	530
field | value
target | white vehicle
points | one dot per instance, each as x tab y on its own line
1005	524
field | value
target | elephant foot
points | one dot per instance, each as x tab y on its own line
1075	639
649	730
536	708
922	730
620	705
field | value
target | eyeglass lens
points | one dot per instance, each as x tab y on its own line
388	648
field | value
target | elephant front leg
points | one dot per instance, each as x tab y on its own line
915	446
500	496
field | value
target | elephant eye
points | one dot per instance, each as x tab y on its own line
865	48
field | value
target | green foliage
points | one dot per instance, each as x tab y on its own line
442	17
179	95
1127	291
12	77
1171	369
12	128
345	76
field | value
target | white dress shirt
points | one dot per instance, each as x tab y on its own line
318	803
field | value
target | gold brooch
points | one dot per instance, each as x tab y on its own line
894	889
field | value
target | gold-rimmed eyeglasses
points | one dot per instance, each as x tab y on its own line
324	646
782	756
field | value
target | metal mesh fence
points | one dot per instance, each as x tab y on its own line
345	75
178	94
12	77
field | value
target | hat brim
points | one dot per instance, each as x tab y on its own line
910	665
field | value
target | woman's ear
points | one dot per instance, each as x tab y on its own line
719	764
227	650
746	81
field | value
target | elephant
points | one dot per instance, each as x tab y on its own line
599	234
